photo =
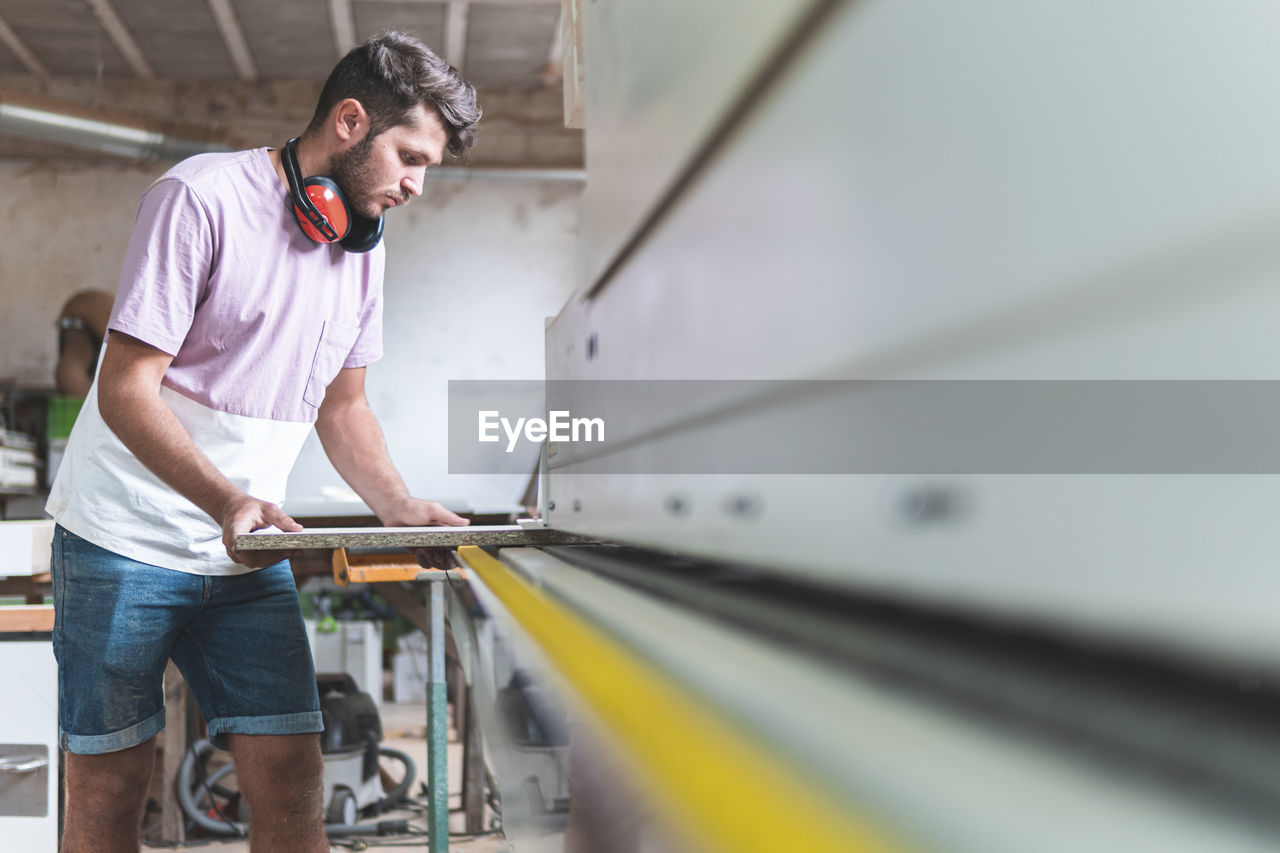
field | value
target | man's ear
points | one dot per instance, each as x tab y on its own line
350	121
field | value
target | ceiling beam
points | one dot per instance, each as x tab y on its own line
524	127
233	38
120	37
344	26
10	40
455	34
572	72
502	2
555	56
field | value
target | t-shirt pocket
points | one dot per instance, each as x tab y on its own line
336	341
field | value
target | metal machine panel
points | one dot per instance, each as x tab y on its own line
662	75
1086	217
996	190
910	768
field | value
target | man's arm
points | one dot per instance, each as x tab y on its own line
130	404
353	441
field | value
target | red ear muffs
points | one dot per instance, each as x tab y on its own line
322	212
327	219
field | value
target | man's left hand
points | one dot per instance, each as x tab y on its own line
414	512
419	513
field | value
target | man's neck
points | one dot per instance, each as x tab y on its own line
309	160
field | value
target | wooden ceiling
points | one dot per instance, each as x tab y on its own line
231	66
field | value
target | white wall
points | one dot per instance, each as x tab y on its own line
62	229
473	268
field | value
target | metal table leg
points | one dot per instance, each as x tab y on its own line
437	723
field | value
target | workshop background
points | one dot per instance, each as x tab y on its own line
936	343
488	246
473	269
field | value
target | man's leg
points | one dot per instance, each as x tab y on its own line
106	795
112	637
281	777
248	663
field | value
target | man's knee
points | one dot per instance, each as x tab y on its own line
279	770
270	754
122	777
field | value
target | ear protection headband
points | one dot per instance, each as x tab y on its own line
322	212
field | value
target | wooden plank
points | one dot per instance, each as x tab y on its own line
28	585
344	26
26	617
500	2
407	537
473	775
574	69
455	34
172	823
16	46
122	38
233	38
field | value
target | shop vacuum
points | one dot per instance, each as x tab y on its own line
350	747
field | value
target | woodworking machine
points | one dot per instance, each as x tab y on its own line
1043	651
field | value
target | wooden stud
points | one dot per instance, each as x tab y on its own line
233	38
121	38
455	34
172	820
26	617
16	46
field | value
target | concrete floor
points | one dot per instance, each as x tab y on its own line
404	727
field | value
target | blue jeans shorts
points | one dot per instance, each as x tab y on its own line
239	641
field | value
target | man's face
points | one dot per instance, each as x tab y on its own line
386	170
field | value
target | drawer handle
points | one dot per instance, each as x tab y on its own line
22	765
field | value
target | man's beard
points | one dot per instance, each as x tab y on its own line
350	169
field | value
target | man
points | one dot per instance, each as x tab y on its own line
233	332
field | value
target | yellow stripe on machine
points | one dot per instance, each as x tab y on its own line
712	779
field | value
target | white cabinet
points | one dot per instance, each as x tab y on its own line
29	746
24	547
353	647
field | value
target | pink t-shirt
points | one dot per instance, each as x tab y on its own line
259	320
257	317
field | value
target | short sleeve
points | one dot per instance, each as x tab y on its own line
166	267
368	346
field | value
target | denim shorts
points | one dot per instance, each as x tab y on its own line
238	640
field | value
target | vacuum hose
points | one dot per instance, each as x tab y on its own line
399	792
187	792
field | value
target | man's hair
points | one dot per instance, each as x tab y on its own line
390	75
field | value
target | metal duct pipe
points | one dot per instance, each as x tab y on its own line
93	135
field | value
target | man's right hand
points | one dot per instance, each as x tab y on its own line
246	514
